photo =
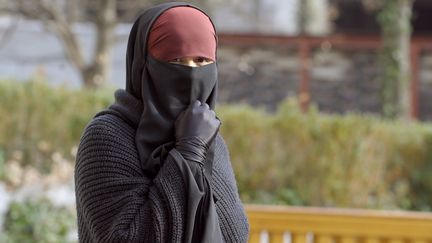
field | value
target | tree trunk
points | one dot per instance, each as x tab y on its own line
98	71
302	16
404	43
395	23
60	19
72	10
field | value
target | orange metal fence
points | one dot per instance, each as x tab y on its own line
276	224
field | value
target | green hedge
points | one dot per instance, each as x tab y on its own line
324	160
38	120
288	157
38	221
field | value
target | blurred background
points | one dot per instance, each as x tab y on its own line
325	103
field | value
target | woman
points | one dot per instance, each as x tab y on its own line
153	167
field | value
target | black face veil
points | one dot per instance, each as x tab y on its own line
156	93
165	90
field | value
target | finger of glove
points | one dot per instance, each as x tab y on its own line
209	115
196	103
218	120
206	106
213	113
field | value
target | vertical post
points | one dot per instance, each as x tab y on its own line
395	21
415	55
298	237
276	236
304	89
254	236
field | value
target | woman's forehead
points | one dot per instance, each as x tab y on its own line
182	31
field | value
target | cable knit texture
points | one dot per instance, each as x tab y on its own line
117	203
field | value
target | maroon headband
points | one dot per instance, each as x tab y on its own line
182	32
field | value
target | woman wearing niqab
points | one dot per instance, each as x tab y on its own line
153	166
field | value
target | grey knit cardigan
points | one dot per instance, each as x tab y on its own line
115	202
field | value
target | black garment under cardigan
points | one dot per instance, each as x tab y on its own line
116	202
166	90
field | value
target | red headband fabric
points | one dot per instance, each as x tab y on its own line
182	32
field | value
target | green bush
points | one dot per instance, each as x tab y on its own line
354	160
287	157
2	166
38	120
37	221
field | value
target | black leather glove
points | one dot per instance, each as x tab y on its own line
195	129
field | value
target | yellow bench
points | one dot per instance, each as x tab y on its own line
329	225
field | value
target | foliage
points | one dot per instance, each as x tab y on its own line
38	121
327	160
394	19
288	157
2	165
37	221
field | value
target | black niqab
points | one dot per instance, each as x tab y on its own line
166	90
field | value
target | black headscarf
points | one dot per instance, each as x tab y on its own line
156	84
156	93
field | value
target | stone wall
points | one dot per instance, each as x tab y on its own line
260	77
341	80
425	86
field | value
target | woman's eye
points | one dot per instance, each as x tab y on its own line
200	59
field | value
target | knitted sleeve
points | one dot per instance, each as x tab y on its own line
233	219
115	201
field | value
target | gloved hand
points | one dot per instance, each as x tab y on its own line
195	129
